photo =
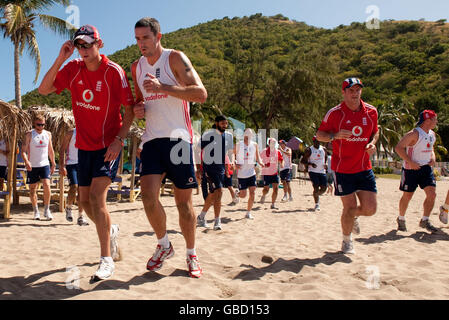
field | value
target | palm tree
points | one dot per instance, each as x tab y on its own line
394	121
17	22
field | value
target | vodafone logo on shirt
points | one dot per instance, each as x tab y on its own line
357	131
88	96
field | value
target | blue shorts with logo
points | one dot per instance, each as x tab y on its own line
411	179
318	179
38	174
173	158
286	175
91	165
210	182
267	180
72	173
348	183
245	183
3	172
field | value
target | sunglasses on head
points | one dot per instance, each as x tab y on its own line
40	124
86	45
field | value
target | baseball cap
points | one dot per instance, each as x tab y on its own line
282	141
220	118
426	114
87	33
348	83
314	138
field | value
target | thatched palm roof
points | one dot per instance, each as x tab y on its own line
12	117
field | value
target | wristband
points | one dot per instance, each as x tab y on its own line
332	137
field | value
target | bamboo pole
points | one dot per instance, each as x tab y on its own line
61	182
133	172
12	152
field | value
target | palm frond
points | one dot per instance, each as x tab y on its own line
57	25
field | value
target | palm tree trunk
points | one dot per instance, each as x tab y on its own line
17	75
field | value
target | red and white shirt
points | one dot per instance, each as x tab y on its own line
349	155
421	152
270	158
97	97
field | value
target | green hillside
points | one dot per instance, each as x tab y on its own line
271	72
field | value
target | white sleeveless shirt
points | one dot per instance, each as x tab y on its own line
287	160
3	159
421	152
72	152
318	157
246	157
39	149
166	116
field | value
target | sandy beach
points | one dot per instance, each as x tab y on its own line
288	254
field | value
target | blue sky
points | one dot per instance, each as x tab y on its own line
115	20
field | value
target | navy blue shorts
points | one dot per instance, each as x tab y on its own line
286	175
72	173
411	179
174	158
246	183
346	184
267	180
210	182
3	172
227	182
38	174
91	165
330	177
318	179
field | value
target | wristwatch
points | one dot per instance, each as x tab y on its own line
122	140
332	137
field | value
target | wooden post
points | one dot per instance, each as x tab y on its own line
61	182
120	171
14	169
11	172
133	172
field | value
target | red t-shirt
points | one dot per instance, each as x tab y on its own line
349	155
97	97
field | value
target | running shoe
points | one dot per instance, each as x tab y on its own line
428	226
115	249
217	225
48	215
284	199
68	214
317	207
105	270
273	206
443	215
262	200
348	247
156	261
82	221
201	222
356	227
401	225
236	199
195	270
290	199
37	215
249	216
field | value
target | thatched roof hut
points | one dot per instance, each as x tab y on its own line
12	117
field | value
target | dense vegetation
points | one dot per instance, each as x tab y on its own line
270	72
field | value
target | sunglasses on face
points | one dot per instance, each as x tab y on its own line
86	45
40	124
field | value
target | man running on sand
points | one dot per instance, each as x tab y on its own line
99	88
165	82
352	128
416	149
286	170
271	157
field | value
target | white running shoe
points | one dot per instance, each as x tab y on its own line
37	215
356	227
236	199
115	249
249	216
48	215
262	200
347	247
284	199
201	222
68	214
317	207
290	199
443	215
105	270
217	225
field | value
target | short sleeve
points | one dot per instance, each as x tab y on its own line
63	78
280	157
126	97
326	124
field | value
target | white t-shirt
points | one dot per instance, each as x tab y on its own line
246	157
421	152
72	152
318	157
39	149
